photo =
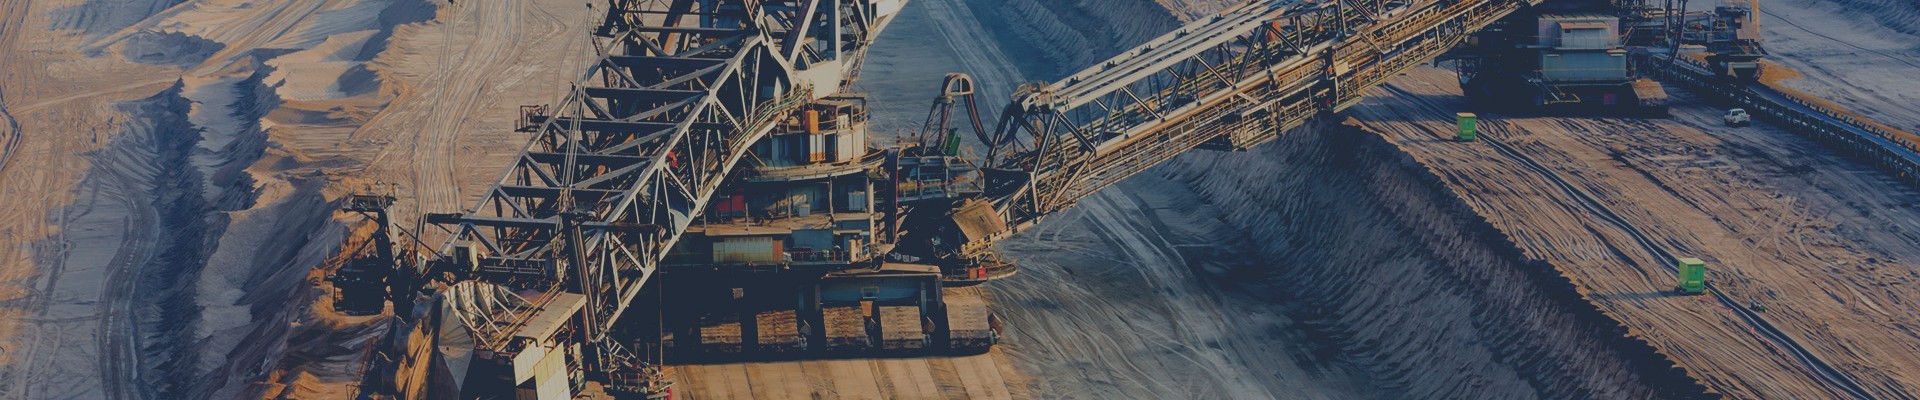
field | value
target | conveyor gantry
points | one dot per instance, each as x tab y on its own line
1235	80
616	172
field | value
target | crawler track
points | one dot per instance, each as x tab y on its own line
1817	368
116	333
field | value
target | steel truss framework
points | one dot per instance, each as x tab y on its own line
616	171
682	88
1238	78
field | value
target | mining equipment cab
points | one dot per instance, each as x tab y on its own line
1731	34
1574	61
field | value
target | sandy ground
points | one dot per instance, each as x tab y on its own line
1817	240
973	377
460	80
168	256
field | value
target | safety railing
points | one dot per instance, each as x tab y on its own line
1889	149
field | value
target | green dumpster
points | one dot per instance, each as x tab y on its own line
1469	126
1693	276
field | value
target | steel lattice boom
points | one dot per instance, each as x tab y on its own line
616	172
1234	80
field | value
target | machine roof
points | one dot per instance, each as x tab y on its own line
1582	25
554	315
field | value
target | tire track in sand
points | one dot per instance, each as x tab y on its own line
13	14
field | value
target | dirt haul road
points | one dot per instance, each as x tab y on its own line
1789	227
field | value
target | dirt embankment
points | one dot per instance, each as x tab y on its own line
190	236
1382	262
1075	32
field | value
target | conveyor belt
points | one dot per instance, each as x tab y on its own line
1895	151
1245	75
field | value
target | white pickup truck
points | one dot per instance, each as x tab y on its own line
1737	118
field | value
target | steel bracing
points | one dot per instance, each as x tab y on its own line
682	88
1237	78
616	171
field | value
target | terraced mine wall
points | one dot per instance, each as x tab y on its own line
1375	255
